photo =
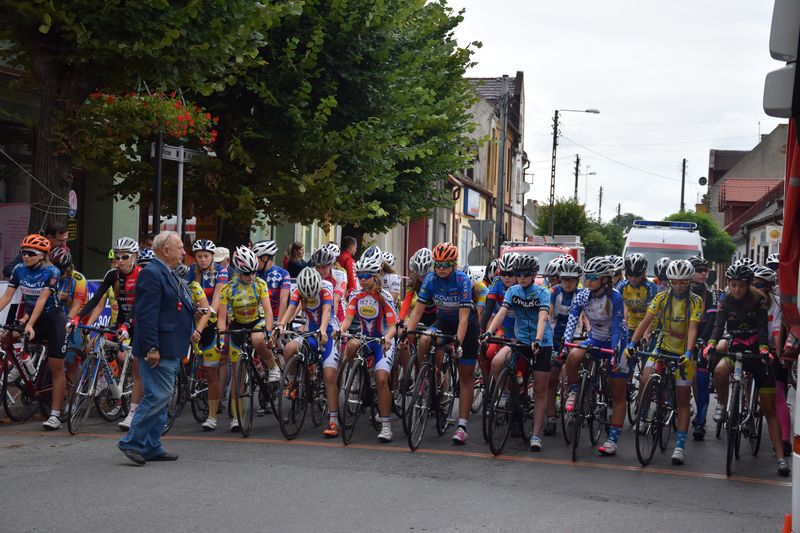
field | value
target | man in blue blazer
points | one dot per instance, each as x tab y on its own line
163	325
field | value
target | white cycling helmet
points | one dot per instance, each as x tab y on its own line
553	267
528	263
599	266
660	268
126	244
334	248
373	250
244	260
570	269
309	282
323	256
181	270
618	262
421	262
203	245
773	261
389	258
765	273
680	269
508	262
262	248
369	265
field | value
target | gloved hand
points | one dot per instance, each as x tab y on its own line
764	351
630	350
709	351
535	345
686	358
484	336
122	333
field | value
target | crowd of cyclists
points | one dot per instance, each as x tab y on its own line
608	303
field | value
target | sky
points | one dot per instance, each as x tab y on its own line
672	80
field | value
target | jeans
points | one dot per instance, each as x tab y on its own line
149	419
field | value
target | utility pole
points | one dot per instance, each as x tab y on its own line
683	184
501	186
577	173
553	175
619	212
157	185
600	207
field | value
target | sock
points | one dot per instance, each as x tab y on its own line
702	381
134	407
212	408
55	412
335	417
680	441
782	410
235	407
613	435
462	423
386	422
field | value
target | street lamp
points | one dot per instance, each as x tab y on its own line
586	189
553	165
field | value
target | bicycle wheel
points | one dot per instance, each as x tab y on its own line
18	404
567	417
126	384
81	401
247	392
319	398
526	400
293	398
44	387
353	399
406	386
732	428
647	422
487	401
582	410
198	393
600	401
668	406
176	401
742	413
501	410
633	392
477	390
417	413
446	390
757	427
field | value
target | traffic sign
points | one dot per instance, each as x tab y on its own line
172	153
479	256
482	229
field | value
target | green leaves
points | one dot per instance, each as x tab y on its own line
718	245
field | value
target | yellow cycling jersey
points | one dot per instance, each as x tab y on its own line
197	294
481	290
244	299
674	320
636	300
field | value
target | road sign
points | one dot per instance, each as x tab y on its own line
479	256
482	229
172	153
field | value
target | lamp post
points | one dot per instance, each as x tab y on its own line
586	187
553	165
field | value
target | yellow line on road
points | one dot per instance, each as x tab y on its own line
453	453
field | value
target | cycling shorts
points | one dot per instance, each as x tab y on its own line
382	361
542	361
207	347
52	329
762	372
469	348
330	355
238	338
684	374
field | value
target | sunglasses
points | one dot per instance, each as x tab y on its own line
525	274
124	257
364	276
29	253
760	285
445	264
591	277
701	270
679	282
508	274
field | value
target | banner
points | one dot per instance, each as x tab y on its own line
13	228
11	312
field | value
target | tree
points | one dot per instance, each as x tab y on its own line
718	245
625	221
72	48
569	219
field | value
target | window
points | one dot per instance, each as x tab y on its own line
441	233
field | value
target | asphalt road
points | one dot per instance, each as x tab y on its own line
223	482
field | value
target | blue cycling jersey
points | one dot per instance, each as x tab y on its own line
448	295
31	282
606	315
527	303
562	303
497	292
209	279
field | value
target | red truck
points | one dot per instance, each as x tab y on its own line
546	249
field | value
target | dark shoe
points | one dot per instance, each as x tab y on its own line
166	456
699	433
134	456
787	448
550	426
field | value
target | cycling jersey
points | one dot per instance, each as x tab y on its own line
497	292
337	315
112	305
636	300
391	282
527	303
409	301
709	298
449	294
244	299
745	320
376	314
775	318
562	303
313	307
32	281
124	286
674	318
277	279
481	291
72	289
208	279
605	313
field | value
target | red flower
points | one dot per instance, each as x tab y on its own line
208	115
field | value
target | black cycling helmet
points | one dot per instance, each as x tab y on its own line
698	261
635	264
740	271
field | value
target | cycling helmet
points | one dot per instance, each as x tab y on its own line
765	273
421	261
698	261
599	266
309	282
369	265
36	242
508	262
323	256
373	250
244	260
527	263
333	247
660	268
618	262
445	252
145	257
739	271
747	261
773	261
126	244
567	257
60	257
570	269
491	268
553	267
262	248
389	259
181	270
680	269
204	245
635	264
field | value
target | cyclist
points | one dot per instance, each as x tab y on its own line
246	298
338	272
702	378
44	316
619	269
145	257
73	294
374	308
560	305
479	291
315	297
122	281
744	315
450	291
531	305
420	265
604	309
550	272
323	259
279	284
389	278
679	312
660	271
490	273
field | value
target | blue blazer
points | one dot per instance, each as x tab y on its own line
163	313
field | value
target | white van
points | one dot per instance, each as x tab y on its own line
676	240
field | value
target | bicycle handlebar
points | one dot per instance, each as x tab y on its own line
589	347
512	343
359	337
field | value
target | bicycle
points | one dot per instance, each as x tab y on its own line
359	392
301	385
593	398
658	406
28	385
562	391
512	398
403	379
636	369
434	390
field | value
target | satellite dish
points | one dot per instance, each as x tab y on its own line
525	186
703	180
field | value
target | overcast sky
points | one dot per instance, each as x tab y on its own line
672	80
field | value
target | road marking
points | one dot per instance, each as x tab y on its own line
452	453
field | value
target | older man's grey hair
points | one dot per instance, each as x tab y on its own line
163	238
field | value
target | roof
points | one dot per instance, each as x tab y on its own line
491	88
765	208
767	160
743	190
